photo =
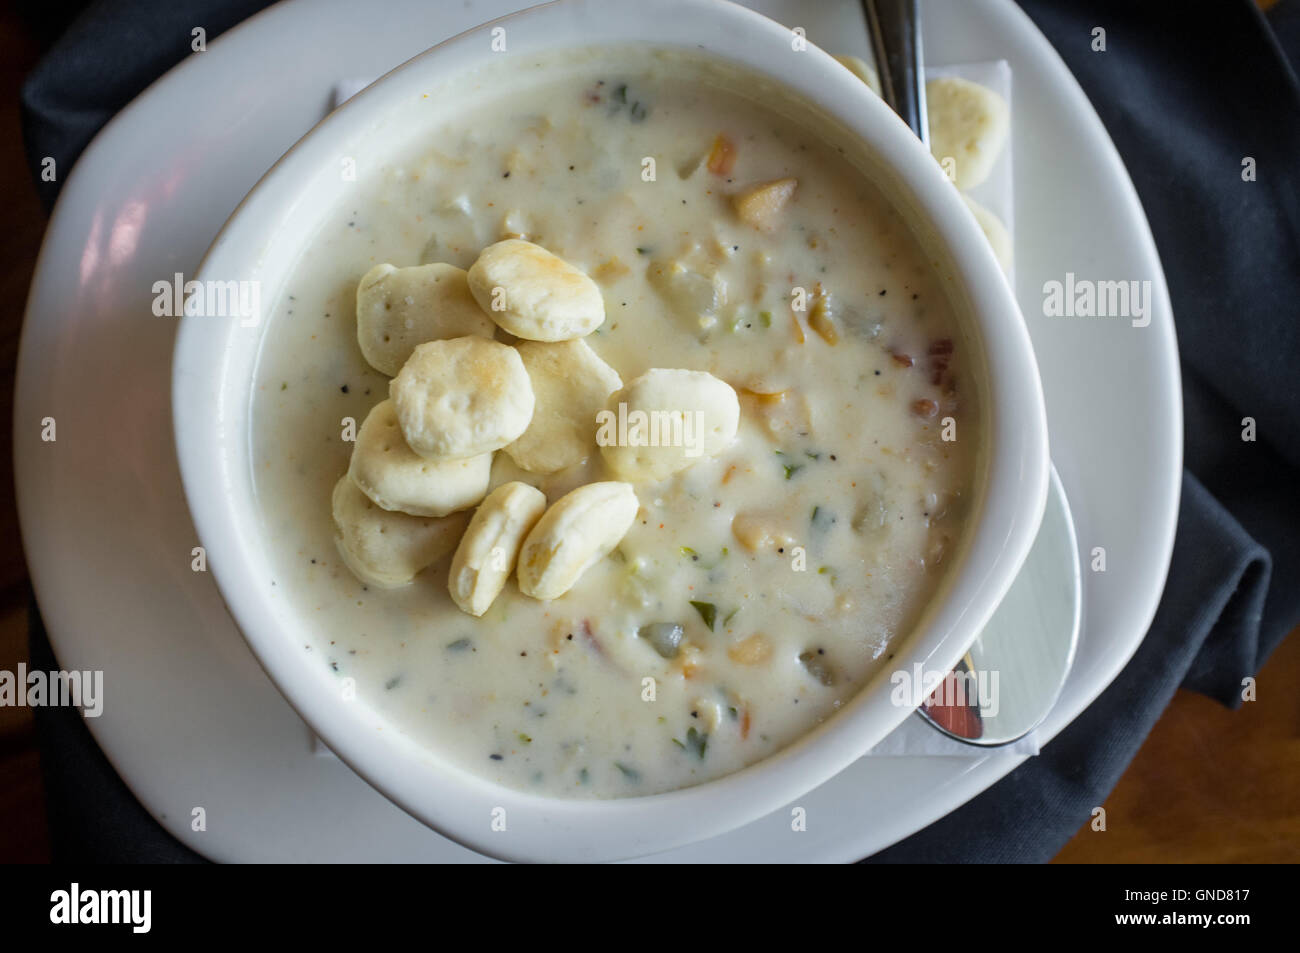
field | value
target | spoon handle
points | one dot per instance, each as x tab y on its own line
896	41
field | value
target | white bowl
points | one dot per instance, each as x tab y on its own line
212	395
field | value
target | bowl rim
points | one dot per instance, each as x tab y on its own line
454	801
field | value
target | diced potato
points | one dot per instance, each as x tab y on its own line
695	296
784	414
822	319
709	713
687	663
759	532
722	156
754	650
611	269
761	205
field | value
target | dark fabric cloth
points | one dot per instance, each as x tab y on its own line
93	817
107	56
1187	91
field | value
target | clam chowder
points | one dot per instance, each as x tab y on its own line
743	484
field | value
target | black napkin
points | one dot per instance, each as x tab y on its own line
1186	90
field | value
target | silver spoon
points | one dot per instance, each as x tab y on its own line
1018	664
896	41
1012	675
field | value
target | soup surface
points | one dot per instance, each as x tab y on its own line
791	560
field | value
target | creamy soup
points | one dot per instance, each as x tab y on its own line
792	560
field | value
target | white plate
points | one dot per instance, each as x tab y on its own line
189	718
